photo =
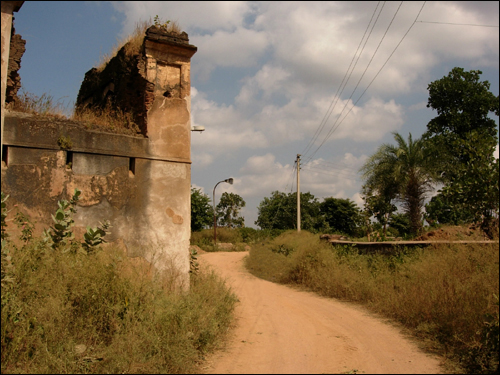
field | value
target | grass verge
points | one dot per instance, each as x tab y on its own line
67	312
238	238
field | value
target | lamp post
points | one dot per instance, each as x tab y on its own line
229	181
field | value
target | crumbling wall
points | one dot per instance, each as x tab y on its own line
141	184
17	49
129	84
120	85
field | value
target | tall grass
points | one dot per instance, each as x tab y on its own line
238	237
445	294
66	312
44	105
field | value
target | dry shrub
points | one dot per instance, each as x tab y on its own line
43	105
133	41
108	119
228	239
105	313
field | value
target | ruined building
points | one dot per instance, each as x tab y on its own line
140	183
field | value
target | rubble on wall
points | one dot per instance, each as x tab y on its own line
17	48
123	83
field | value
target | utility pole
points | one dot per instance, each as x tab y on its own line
298	192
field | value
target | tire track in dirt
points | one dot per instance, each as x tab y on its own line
283	330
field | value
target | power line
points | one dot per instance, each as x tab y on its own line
376	75
334	126
323	171
340	88
457	24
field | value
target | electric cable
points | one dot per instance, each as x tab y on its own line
376	75
340	88
457	24
334	127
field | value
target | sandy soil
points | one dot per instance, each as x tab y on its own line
283	330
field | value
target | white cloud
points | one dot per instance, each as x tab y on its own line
262	174
206	16
239	48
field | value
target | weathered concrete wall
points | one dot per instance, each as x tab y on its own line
141	184
7	10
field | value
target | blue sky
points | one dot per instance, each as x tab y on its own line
267	78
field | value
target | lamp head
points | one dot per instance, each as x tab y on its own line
229	181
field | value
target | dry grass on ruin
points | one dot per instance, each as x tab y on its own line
134	40
108	120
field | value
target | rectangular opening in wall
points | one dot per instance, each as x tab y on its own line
5	151
131	167
69	159
168	80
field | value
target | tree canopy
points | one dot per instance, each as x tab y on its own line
405	172
341	215
463	137
201	210
228	211
463	104
280	212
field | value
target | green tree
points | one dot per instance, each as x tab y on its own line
463	137
228	211
401	223
342	215
439	211
280	212
463	104
202	212
276	212
474	189
379	197
405	170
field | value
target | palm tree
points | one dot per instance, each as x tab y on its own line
403	172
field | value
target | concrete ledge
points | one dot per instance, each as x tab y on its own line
24	130
391	244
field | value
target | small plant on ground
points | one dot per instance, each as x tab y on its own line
61	233
25	225
194	266
95	236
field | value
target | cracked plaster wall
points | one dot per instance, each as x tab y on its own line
142	185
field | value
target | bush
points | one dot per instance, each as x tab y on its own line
66	310
125	321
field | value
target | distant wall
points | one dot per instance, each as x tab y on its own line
141	184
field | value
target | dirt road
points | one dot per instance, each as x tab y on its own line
282	330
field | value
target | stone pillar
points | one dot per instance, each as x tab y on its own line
168	204
8	9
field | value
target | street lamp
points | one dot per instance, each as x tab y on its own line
229	181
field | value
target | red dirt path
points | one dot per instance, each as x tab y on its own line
283	330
